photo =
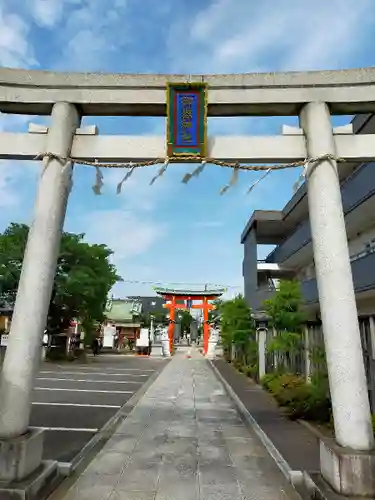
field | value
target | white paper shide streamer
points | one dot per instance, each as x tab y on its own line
195	172
97	187
232	182
161	171
255	183
125	178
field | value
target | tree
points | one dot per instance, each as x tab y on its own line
287	317
214	314
84	277
160	317
237	327
185	320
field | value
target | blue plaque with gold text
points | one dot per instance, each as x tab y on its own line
186	119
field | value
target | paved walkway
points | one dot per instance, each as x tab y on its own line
183	441
298	446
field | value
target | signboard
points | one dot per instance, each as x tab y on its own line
4	339
186	119
143	339
109	333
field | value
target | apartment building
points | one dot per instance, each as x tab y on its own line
289	230
292	257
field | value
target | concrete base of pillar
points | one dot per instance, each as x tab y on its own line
348	472
37	486
211	354
20	456
156	350
165	348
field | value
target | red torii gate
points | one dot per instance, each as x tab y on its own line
171	296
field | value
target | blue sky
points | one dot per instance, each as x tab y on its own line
171	232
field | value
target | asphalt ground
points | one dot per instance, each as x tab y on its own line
72	402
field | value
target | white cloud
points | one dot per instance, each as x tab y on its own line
124	232
249	36
137	193
15	49
47	12
93	32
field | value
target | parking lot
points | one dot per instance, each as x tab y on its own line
72	402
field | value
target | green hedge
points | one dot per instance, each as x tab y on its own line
300	400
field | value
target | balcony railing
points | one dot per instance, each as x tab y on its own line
354	191
363	270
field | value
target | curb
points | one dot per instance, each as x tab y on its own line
295	477
68	468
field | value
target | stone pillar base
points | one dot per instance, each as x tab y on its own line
156	350
348	472
210	354
37	486
165	348
20	456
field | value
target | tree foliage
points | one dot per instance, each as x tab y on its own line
160	317
214	314
84	277
284	308
287	317
185	319
238	330
236	322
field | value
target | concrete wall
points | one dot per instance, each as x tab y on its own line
250	267
256	286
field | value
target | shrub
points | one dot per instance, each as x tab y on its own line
250	370
269	377
300	400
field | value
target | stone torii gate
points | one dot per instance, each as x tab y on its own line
172	296
313	96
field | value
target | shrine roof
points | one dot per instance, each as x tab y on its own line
122	310
191	293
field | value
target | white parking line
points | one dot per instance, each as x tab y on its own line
108	369
70	429
93	373
80	405
88	380
80	390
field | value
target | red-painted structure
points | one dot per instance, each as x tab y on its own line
173	300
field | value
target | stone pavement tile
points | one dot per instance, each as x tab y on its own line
217	473
240	448
139	476
109	462
133	495
92	480
121	444
180	490
180	470
146	454
255	490
221	492
90	493
238	431
209	454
